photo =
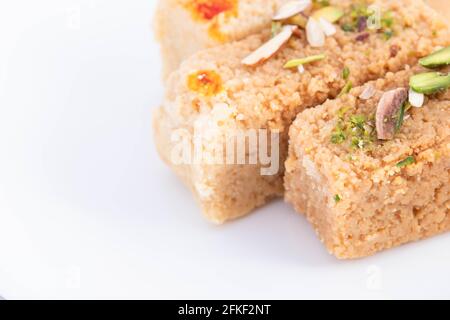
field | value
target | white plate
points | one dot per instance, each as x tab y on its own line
87	209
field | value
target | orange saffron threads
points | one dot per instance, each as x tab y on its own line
209	9
205	82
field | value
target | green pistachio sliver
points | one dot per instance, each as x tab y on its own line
346	89
387	20
338	137
437	59
346	73
408	161
347	27
331	13
400	118
337	198
388	34
276	28
296	62
430	82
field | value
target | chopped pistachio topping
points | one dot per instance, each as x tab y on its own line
400	117
357	129
388	34
430	82
337	198
321	3
338	137
346	89
356	18
437	59
347	27
408	161
331	14
297	62
360	18
387	21
276	28
342	112
346	73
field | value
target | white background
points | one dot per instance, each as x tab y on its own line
87	209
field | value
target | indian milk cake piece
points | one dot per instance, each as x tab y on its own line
184	27
263	82
369	170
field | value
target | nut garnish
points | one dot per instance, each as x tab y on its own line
357	129
368	92
328	28
346	89
346	73
363	37
299	62
416	99
408	161
291	9
390	113
270	48
314	33
430	82
331	14
437	59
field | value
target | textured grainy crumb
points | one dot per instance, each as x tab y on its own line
270	97
360	201
182	33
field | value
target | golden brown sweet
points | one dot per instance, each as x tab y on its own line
269	97
365	195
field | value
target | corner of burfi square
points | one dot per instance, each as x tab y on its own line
363	195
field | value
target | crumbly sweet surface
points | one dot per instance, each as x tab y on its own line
268	96
183	27
363	200
208	23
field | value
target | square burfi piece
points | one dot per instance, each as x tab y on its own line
214	94
364	195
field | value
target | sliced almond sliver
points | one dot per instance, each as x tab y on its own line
314	33
416	99
301	69
328	28
368	92
291	9
270	48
